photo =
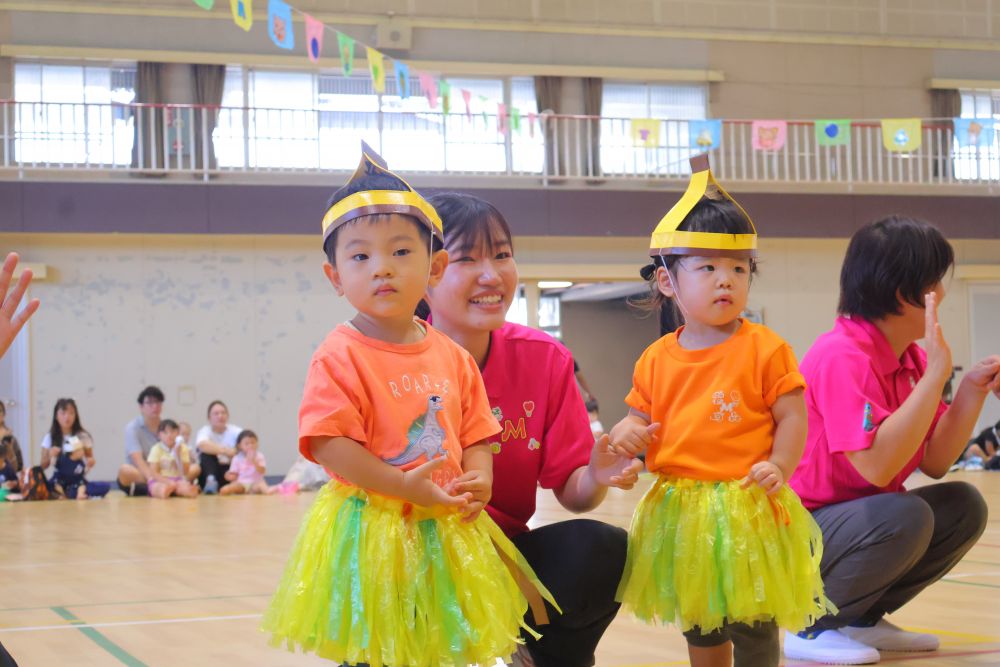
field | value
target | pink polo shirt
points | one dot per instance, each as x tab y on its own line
545	432
854	382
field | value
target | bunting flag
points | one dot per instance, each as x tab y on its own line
901	135
314	37
376	67
429	87
279	24
833	132
467	96
645	132
242	13
444	89
974	131
515	119
345	46
502	126
205	4
402	78
483	101
768	135
531	123
704	135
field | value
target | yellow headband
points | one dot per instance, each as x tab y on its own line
667	240
374	202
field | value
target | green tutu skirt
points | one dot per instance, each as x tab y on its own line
376	580
703	553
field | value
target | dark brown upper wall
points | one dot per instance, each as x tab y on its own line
217	208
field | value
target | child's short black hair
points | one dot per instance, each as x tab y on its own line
893	260
167	424
151	392
376	181
711	214
246	433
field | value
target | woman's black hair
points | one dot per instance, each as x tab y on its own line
208	412
891	261
470	222
375	181
55	431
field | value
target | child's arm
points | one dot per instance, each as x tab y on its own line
633	434
359	466
258	463
790	424
230	475
477	480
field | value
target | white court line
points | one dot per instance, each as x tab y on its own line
972	574
118	624
23	566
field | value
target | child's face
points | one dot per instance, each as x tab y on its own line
383	267
710	290
248	445
185	431
65	417
168	436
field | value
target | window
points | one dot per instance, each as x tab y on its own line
73	114
982	161
672	104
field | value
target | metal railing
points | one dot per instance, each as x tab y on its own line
206	141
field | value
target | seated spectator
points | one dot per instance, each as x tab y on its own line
246	470
71	449
983	450
9	469
215	445
140	437
4	429
170	461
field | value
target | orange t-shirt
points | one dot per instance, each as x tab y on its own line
713	405
404	403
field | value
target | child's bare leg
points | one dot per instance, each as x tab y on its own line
81	491
186	489
193	471
975	450
162	489
232	489
711	656
259	487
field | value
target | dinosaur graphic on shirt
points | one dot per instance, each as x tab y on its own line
426	437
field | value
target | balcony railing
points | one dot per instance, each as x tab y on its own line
208	141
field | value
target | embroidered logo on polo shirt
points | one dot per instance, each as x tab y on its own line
534	444
866	423
726	409
498	414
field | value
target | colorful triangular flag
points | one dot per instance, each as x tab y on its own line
974	131
532	116
515	119
646	132
345	47
205	4
444	89
429	87
279	24
704	135
376	66
502	125
402	78
467	96
833	132
901	135
314	37
242	13
768	135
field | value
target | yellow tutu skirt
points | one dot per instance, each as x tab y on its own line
376	580
705	553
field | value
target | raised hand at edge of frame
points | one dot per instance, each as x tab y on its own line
11	321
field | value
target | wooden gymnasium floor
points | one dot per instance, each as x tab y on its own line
183	582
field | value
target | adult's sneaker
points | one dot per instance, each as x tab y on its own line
211	485
888	637
828	647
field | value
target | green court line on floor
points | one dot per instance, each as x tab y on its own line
114	649
969	583
128	602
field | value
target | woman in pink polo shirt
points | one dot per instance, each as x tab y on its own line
546	439
875	416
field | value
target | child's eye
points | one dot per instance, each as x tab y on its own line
741	269
402	252
360	257
707	267
464	258
504	255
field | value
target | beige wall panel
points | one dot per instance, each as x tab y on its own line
815	63
749	61
895	68
749	100
819	101
895	103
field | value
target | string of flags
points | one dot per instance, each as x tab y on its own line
438	91
899	135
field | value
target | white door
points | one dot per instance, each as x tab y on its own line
14	391
985	306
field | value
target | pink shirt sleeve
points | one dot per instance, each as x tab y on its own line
847	392
568	437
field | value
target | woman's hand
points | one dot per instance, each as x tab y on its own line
609	468
985	375
939	366
10	320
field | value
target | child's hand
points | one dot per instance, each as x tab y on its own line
766	475
479	484
985	375
612	469
419	489
630	437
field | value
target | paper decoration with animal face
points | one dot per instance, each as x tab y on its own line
974	131
768	135
645	132
704	135
376	66
314	37
279	24
345	47
242	13
901	135
205	4
429	87
833	132
402	78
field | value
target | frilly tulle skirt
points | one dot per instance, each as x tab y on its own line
376	580
702	553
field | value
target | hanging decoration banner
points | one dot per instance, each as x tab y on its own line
345	46
429	88
402	79
444	90
314	37
502	125
376	66
974	131
768	135
205	4
645	132
279	24
833	132
467	96
704	135
901	135
242	13
515	119
532	116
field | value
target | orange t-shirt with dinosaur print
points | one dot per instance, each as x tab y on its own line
405	403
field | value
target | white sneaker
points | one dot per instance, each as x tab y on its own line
829	647
887	637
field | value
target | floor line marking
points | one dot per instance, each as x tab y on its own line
149	559
93	635
122	603
119	624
